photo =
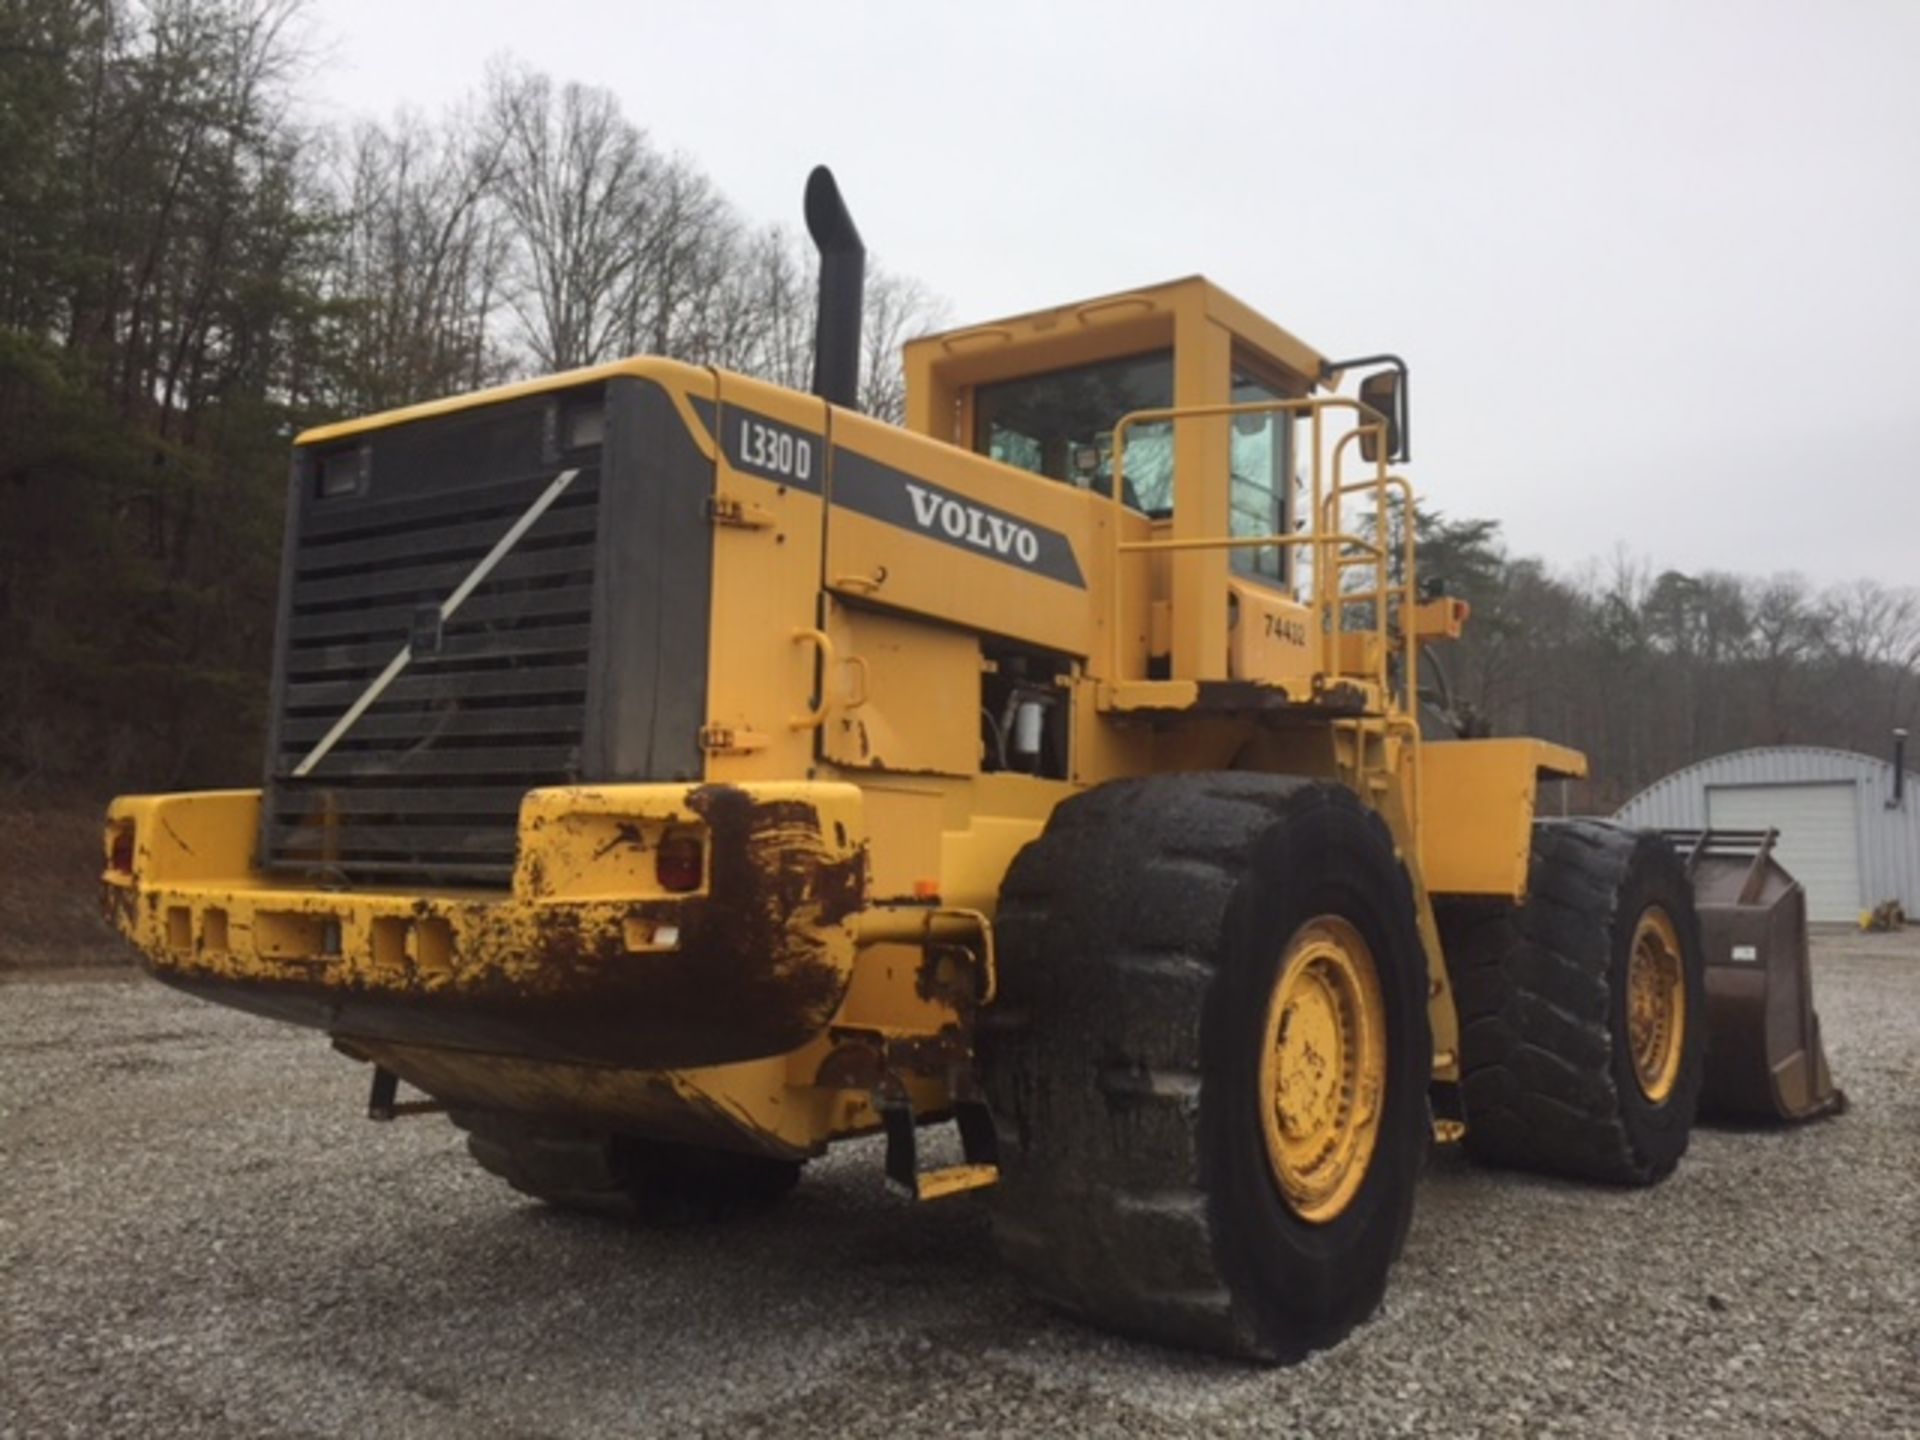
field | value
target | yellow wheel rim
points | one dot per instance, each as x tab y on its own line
1656	1004
1323	1068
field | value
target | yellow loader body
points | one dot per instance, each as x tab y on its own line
669	774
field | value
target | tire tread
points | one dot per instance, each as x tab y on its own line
1111	931
1534	990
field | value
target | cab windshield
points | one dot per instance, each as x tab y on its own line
1061	425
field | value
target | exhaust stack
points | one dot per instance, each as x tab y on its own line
843	280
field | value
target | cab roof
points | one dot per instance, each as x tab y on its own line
1081	326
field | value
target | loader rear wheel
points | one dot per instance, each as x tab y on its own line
655	1181
1209	1060
1582	1012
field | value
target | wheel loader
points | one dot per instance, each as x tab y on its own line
670	774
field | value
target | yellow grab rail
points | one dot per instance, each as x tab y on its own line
1332	550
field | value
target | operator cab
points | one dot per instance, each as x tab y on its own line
1061	425
1045	393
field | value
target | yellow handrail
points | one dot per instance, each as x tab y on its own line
821	641
1253	542
1333	551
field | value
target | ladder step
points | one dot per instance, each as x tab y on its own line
952	1179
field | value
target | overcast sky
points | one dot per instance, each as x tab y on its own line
1656	267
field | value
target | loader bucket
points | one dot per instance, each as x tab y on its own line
1764	1057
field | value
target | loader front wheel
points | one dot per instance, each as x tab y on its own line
1582	1011
1209	1060
654	1181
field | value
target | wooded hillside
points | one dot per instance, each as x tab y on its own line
191	272
1648	671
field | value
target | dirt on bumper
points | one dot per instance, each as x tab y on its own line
754	965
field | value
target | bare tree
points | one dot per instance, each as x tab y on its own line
769	297
573	181
1786	632
416	271
683	233
1875	634
897	309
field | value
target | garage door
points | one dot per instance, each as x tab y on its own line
1819	837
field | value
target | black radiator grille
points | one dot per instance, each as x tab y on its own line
426	784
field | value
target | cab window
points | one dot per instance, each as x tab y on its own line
1061	425
1262	460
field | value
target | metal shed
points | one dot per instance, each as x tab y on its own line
1846	833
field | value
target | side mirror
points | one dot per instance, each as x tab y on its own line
1384	393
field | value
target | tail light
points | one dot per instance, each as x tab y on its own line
680	861
120	847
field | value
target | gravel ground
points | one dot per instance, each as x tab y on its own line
199	1236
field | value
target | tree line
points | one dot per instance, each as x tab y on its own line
191	271
1648	670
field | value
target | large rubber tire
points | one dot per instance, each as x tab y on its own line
1547	1072
1139	941
654	1181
